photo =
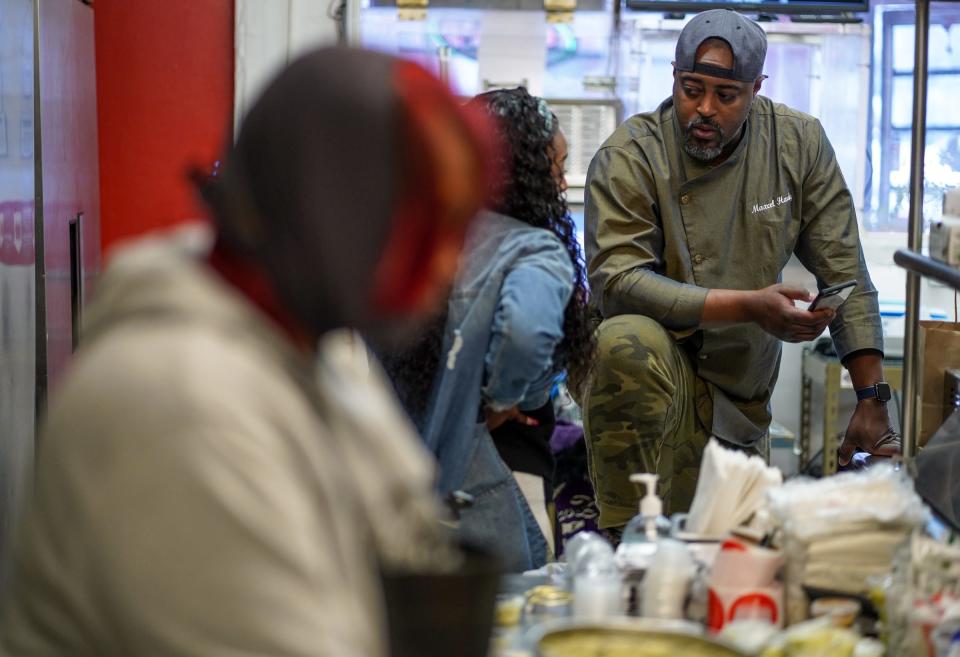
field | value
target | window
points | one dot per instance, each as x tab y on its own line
567	53
888	200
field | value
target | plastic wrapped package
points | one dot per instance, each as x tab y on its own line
935	567
845	562
839	532
844	548
923	600
597	586
869	648
881	497
750	637
898	600
584	547
816	638
945	636
828	577
930	630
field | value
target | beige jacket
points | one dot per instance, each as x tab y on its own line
204	489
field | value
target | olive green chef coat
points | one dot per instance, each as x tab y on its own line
662	229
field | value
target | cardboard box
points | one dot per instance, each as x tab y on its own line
940	350
951	203
945	240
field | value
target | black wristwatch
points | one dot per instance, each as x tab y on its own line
879	391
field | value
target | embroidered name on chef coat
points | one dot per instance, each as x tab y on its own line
774	202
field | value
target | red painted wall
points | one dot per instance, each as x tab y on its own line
164	103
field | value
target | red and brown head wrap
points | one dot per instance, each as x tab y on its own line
346	175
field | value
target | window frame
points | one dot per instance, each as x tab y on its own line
891	18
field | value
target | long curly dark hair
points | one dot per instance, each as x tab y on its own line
527	191
530	192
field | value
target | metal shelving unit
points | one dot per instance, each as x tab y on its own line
911	356
824	382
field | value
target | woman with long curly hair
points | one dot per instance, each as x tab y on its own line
478	380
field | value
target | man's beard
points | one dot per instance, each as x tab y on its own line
697	149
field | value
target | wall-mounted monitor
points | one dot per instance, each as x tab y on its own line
812	7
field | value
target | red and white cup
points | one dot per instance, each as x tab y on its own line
743	585
743	564
734	603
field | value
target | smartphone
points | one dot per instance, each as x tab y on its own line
833	296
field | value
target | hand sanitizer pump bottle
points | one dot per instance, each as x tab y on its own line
639	542
650	524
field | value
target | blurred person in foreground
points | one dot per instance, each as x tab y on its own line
478	382
218	476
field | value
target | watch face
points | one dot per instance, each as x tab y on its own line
883	391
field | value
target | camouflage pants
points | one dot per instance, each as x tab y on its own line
641	415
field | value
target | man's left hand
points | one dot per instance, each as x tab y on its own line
869	430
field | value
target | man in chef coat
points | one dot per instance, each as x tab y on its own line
692	212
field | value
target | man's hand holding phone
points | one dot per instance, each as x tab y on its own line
833	297
774	310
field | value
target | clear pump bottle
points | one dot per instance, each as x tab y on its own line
650	525
640	539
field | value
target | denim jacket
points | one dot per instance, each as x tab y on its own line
505	319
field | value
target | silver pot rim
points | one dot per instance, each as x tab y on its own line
680	628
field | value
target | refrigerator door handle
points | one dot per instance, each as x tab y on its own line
76	276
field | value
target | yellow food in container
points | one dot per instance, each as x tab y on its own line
842	611
508	611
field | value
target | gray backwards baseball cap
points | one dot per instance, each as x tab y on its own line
746	39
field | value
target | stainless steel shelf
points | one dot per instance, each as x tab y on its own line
928	267
824	384
918	136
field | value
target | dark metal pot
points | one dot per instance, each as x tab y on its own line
439	615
